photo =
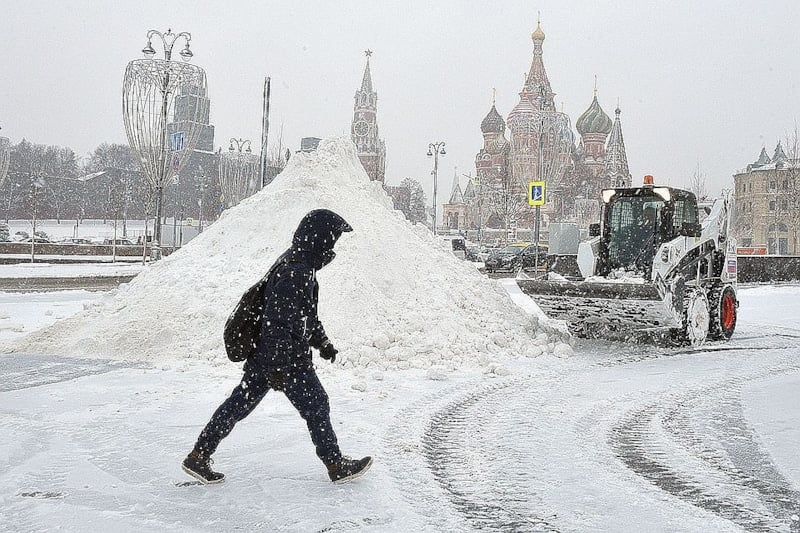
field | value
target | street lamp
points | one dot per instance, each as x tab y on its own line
36	184
5	157
149	98
239	174
435	149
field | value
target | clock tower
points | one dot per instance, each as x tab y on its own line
364	129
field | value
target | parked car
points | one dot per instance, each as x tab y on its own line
527	259
75	240
485	252
458	246
38	240
516	257
503	259
478	253
119	242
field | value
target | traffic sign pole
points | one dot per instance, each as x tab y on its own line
536	198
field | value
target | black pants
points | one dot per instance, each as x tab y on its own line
303	389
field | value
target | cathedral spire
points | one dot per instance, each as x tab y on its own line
537	85
456	197
616	162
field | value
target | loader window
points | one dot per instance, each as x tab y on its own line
685	211
634	223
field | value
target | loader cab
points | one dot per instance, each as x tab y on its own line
637	221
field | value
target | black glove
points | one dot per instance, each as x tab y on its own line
327	351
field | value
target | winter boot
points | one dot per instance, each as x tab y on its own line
347	469
198	465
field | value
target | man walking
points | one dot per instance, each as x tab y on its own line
282	360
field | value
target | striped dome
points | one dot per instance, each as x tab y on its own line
594	120
493	123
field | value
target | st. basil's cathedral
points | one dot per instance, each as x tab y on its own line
497	197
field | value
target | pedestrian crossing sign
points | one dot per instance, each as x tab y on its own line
536	193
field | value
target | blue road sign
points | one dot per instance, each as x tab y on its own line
178	141
536	193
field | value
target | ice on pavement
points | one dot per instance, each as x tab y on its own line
394	298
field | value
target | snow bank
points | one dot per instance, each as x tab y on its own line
394	298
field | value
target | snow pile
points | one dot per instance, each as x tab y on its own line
394	297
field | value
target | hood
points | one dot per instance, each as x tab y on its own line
317	233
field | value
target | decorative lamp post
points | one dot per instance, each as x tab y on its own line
435	149
239	172
149	101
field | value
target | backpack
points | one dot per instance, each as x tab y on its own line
243	328
242	331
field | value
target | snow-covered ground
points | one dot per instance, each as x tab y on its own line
480	413
616	438
90	229
77	270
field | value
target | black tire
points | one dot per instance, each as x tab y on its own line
723	306
688	335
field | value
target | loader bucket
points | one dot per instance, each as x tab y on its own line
593	306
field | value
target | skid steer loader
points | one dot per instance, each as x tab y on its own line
650	267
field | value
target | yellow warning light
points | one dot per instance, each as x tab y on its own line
648	179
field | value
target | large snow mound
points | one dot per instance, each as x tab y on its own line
394	297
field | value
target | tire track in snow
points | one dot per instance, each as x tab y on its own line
467	471
697	446
409	466
23	372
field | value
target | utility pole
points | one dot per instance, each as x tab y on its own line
264	132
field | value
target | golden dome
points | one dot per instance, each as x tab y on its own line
538	34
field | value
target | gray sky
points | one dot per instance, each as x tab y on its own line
708	82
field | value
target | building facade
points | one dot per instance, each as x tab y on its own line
196	192
767	205
574	174
455	216
364	128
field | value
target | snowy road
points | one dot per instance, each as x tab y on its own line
617	438
658	444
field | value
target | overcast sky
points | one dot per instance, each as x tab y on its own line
709	82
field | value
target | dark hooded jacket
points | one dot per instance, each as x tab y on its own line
290	326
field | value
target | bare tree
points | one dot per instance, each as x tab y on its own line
61	168
277	158
409	198
790	193
697	183
118	161
506	201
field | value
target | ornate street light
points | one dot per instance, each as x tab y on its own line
239	175
149	99
435	149
5	158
